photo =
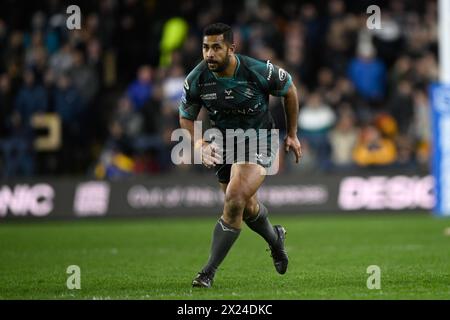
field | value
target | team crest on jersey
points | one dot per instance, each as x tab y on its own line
186	85
228	94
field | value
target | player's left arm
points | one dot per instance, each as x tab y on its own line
277	82
291	104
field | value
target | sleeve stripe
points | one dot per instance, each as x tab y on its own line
184	114
286	86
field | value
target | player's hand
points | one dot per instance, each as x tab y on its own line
210	154
292	143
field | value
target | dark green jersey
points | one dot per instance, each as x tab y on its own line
241	101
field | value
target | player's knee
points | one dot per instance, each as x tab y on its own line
234	204
250	209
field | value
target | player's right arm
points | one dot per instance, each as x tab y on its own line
189	109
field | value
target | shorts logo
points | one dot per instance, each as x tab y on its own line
261	158
282	74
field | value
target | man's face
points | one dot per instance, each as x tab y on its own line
216	52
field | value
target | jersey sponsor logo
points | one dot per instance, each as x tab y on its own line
248	93
270	67
243	110
208	96
206	84
246	82
282	74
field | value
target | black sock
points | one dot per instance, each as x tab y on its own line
262	226
223	238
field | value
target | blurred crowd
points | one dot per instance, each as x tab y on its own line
115	84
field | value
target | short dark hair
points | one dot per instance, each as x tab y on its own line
219	28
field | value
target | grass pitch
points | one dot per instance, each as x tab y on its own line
157	259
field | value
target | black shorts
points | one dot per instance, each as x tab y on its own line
265	156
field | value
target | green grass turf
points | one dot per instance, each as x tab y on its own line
157	259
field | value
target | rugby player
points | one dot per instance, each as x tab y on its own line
235	91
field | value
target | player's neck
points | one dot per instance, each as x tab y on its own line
229	71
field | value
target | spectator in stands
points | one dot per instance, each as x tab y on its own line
336	10
115	159
94	56
401	70
373	150
140	91
62	60
368	73
343	140
36	55
68	102
422	126
173	85
84	77
405	151
33	42
13	55
401	106
426	68
388	39
6	102
315	120
32	98
4	41
69	105
339	41
294	54
129	120
17	147
325	85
